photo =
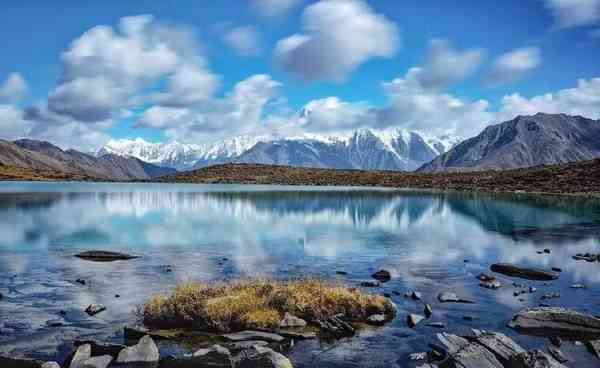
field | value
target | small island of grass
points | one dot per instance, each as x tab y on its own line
262	304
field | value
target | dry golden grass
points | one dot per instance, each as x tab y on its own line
260	303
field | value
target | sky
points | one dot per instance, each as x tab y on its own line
79	73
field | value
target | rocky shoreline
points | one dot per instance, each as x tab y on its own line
271	347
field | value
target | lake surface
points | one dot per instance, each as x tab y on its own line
430	242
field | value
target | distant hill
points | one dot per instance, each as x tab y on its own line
44	156
525	141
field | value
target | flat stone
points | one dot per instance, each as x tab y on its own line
413	319
556	321
534	359
94	309
382	276
214	356
145	351
593	347
261	357
83	353
253	335
104	256
376	320
102	361
448	297
291	321
461	353
524	272
501	345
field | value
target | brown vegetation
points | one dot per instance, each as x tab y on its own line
261	304
8	172
573	178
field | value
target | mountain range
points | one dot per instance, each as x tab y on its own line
393	149
525	141
40	155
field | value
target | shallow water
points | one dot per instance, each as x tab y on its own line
430	242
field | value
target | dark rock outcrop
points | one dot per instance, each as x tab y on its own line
524	272
556	321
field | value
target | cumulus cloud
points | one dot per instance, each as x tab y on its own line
13	88
240	111
337	36
274	9
572	13
445	65
244	40
512	65
107	69
12	123
584	99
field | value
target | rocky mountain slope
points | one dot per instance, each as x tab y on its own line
525	141
393	149
39	155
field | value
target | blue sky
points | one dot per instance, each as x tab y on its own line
469	54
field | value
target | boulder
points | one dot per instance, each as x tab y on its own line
101	361
556	321
104	256
214	356
382	276
145	351
253	335
524	272
413	320
261	357
534	359
291	321
94	309
415	295
502	346
83	353
448	297
593	347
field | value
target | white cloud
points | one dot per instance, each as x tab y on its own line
572	13
245	40
239	112
274	9
13	88
512	65
12	124
584	100
338	36
445	65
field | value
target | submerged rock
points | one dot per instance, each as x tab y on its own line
382	276
523	272
145	351
253	335
556	321
94	309
104	256
448	297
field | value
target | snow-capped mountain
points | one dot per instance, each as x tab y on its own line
391	149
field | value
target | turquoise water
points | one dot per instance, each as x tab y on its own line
429	241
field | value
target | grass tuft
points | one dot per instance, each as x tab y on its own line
259	303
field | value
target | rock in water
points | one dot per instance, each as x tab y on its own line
291	321
448	297
145	351
495	284
382	276
557	354
524	272
556	321
462	353
428	310
102	361
413	319
94	309
415	295
534	359
501	345
593	347
253	335
216	355
104	256
50	365
261	357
